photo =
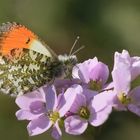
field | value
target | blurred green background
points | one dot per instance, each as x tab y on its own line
104	26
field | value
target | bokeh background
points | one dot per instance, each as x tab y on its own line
104	26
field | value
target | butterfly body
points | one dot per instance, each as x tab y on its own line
27	63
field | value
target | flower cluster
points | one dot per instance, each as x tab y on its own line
86	98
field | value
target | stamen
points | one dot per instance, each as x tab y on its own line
124	99
84	112
95	85
53	116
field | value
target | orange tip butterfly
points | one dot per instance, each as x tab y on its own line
26	62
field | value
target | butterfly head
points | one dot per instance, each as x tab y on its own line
66	64
68	59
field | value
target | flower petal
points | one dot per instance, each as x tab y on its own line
25	115
133	62
79	101
99	73
90	63
102	100
98	118
108	86
83	74
89	94
134	108
36	108
39	125
122	57
82	70
121	74
135	69
135	95
51	97
68	99
75	125
27	99
56	132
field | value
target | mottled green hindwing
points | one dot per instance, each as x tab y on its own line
22	75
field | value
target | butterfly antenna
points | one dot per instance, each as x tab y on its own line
82	47
76	40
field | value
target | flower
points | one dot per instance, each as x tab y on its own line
122	75
132	62
31	105
85	99
46	109
92	73
84	111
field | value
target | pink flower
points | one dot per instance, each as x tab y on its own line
132	62
44	110
92	73
125	70
84	111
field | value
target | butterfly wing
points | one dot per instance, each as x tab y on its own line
22	75
25	62
16	36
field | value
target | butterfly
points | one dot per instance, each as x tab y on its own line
26	62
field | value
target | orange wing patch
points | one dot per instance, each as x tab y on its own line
13	38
